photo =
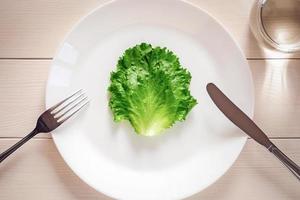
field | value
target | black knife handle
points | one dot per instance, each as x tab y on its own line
293	167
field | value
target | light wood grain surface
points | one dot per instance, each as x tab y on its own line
38	171
30	32
33	28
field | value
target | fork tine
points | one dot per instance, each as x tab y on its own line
57	116
63	101
60	120
54	113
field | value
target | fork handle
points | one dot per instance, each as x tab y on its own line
13	148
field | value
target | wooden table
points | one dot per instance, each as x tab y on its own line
30	32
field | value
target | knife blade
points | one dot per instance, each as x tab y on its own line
237	116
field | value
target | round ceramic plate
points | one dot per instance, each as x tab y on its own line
188	157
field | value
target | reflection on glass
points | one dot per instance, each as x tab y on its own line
275	88
279	23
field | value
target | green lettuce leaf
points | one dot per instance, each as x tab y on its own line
150	89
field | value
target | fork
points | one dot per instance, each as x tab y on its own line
52	118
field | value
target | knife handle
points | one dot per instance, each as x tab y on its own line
293	167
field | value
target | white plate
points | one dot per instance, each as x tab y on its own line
110	157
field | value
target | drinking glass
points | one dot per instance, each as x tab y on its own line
279	23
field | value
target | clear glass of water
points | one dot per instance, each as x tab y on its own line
279	23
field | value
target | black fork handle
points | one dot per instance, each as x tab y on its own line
13	148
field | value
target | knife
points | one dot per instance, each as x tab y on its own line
241	120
